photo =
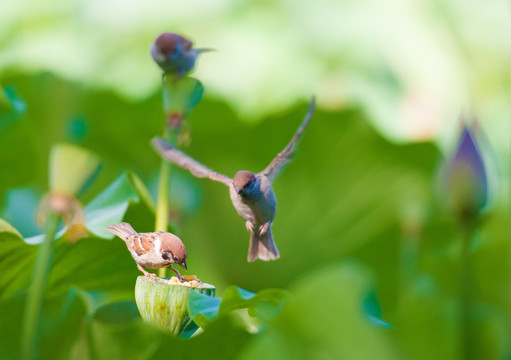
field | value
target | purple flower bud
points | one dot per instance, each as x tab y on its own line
466	178
174	54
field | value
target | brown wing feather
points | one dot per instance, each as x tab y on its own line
141	243
284	157
186	162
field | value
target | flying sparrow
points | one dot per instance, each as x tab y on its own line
152	250
174	53
251	194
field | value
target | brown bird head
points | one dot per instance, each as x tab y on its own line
245	182
173	249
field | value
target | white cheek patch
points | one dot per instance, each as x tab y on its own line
157	244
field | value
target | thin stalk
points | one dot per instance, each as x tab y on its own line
466	294
34	301
162	203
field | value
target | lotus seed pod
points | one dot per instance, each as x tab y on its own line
164	302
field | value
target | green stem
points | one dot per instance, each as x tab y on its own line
162	204
466	295
34	301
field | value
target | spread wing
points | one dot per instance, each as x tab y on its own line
181	159
283	158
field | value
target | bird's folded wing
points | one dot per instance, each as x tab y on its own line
283	158
180	158
142	243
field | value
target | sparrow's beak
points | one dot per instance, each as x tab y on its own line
238	190
200	51
183	265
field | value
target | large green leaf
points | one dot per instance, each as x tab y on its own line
325	318
7	230
344	194
109	207
119	133
16	262
203	309
62	321
134	339
92	263
224	339
18	203
264	304
18	160
5	104
432	297
115	330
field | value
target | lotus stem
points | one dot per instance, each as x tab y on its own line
466	294
33	307
162	203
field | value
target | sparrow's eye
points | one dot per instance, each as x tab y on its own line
167	255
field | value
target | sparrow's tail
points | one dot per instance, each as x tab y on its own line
122	230
262	246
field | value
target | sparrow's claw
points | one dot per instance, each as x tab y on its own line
263	229
249	225
146	273
177	273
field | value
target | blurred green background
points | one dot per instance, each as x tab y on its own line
358	208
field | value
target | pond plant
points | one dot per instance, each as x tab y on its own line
374	266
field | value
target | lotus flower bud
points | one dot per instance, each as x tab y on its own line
466	180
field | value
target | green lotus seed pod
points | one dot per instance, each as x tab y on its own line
165	303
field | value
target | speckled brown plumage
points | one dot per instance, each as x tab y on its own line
152	250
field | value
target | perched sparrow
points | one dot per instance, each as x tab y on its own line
152	250
174	54
251	194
